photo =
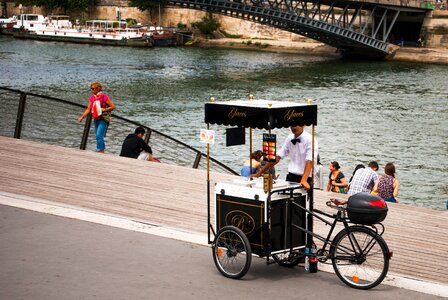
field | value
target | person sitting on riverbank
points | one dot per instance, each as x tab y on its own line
247	169
135	147
387	185
364	179
336	179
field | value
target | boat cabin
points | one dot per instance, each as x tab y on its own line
30	22
59	21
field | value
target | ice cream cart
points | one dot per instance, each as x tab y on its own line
262	216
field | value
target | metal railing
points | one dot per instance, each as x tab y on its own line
54	121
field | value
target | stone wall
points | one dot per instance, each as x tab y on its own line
435	30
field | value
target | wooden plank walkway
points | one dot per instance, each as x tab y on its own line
175	197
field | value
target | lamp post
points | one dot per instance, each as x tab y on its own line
118	13
21	12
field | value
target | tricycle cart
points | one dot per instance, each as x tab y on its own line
274	218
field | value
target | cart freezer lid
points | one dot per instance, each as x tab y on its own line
262	114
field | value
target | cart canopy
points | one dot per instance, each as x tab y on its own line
262	114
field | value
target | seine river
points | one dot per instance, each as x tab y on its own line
384	111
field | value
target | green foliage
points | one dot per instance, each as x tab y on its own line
131	22
181	25
207	24
143	5
230	36
50	5
79	4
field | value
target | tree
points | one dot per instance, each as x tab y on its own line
51	5
207	24
143	5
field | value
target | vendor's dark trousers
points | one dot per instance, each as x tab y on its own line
297	178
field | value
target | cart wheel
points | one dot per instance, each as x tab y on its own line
288	260
231	252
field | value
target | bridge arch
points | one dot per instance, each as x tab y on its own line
354	28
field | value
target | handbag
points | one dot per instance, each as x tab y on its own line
107	116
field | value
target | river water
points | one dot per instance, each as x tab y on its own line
384	111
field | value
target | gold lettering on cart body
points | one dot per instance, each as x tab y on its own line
292	114
235	113
241	220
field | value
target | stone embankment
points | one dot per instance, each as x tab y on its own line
423	55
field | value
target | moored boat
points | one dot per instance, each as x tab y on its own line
162	37
96	32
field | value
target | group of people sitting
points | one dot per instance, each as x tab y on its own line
365	180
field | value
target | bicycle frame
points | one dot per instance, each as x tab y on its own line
339	217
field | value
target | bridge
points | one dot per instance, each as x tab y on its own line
361	28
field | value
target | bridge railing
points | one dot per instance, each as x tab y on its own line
54	121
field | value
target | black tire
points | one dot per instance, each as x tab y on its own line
231	252
366	269
288	259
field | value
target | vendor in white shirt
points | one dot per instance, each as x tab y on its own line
298	146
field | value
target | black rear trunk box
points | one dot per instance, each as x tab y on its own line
366	209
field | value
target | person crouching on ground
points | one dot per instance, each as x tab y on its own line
135	147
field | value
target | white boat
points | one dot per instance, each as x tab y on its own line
59	22
7	23
30	22
95	32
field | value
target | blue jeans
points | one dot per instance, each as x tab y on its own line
100	131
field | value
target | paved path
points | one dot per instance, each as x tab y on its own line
175	198
48	257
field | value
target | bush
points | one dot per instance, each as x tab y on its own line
181	25
131	22
230	36
207	24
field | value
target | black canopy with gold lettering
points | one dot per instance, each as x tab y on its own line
260	114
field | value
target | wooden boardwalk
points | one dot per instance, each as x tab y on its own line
175	197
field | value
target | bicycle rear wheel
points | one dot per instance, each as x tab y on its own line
360	257
231	252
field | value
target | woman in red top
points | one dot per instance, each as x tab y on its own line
387	185
99	122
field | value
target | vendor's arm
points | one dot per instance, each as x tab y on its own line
306	174
266	167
